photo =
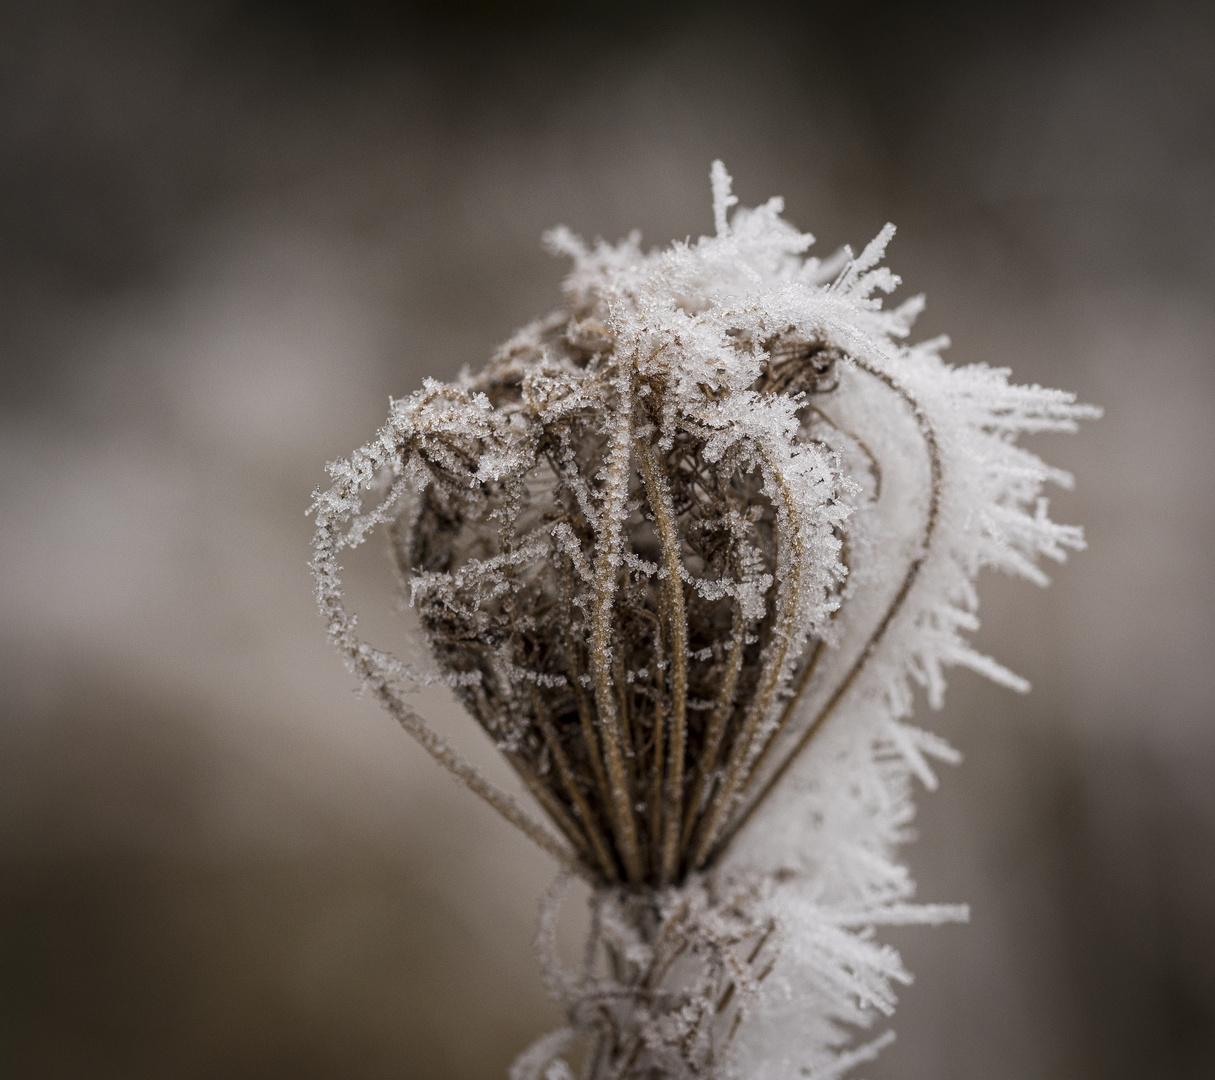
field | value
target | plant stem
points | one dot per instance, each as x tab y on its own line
936	472
659	495
606	561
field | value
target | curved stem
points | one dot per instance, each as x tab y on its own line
372	669
552	805
803	681
741	755
786	713
936	471
438	748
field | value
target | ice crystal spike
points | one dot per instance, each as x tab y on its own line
709	515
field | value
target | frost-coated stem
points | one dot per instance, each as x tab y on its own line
658	770
936	475
741	755
659	495
607	559
586	722
551	804
717	722
369	666
790	707
570	783
476	783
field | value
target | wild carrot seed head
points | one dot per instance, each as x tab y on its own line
628	735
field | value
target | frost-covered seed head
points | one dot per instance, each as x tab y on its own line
605	594
711	513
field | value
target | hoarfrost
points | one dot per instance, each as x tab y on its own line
685	549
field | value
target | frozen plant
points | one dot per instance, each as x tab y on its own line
684	549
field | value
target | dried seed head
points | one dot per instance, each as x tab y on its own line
627	541
621	602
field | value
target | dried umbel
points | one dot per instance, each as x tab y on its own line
706	518
608	601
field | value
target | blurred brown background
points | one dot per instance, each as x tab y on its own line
228	231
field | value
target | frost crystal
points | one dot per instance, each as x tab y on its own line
684	549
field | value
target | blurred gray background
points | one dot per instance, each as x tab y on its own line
228	231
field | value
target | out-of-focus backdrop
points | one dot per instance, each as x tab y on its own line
229	231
